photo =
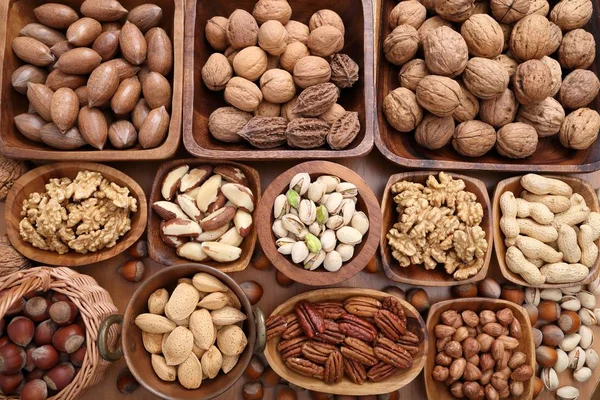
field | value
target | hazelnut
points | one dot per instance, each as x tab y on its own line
12	358
77	357
36	309
216	72
284	392
224	123
20	330
411	13
532	313
326	17
474	139
412	72
45	357
454	10
552	335
580	129
132	270
430	25
434	132
44	332
571	14
473	391
446	52
569	322
556	72
297	32
549	311
126	382
509	11
470	318
457	390
63	312
270	378
294	52
250	63
489	287
468	108
35	389
546	356
216	33
402	110
485	78
483	36
465	290
500	110
509	63
10	384
277	86
60	376
68	338
505	316
529	38
253	391
418	299
255	369
579	89
546	117
282	279
243	94
438	94
310	71
242	29
513	294
401	45
440	373
278	10
325	41
253	290
443	359
272	37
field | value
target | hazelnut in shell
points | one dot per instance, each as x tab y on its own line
412	72
529	38
60	376
272	37
21	330
45	357
552	335
400	45
408	13
9	384
446	52
37	308
516	140
419	299
483	36
549	311
579	89
580	129
532	312
216	72
577	49
63	312
12	358
35	389
126	382
513	294
485	78
325	41
44	332
546	356
68	339
252	391
464	290
439	95
278	10
242	29
434	132
132	270
277	86
402	110
250	63
490	288
546	117
216	33
474	139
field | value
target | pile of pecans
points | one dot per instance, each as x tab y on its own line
478	354
362	338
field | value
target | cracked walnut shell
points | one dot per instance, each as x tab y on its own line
483	36
402	110
580	129
325	41
572	14
516	140
216	72
473	138
546	117
411	13
344	71
532	82
454	10
577	50
485	78
439	95
434	132
579	89
401	45
446	52
509	11
529	38
224	123
242	29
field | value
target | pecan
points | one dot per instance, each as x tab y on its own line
305	367
333	310
276	325
344	71
409	338
413	350
344	130
355	371
317	352
359	351
392	304
362	306
306	133
334	368
265	132
317	99
390	325
332	333
380	372
392	353
309	319
357	328
291	347
293	329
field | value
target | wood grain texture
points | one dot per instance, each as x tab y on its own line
402	149
439	390
346	387
364	251
514	185
35	181
417	274
200	102
166	255
14	15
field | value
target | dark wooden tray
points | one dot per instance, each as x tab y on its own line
402	149
199	102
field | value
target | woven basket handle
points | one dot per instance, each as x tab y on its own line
103	334
261	330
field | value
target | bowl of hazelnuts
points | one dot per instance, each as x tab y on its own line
268	79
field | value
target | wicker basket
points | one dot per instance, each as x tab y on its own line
94	304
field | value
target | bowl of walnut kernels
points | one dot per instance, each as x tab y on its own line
436	229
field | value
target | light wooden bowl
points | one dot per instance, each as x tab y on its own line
439	390
514	185
364	251
14	15
36	179
417	274
346	387
163	254
200	102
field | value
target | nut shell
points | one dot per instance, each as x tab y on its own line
556	72
509	11
546	117
217	71
485	78
529	38
469	105
401	44
306	133
216	33
277	86
317	99
325	41
532	82
483	36
454	10
434	132
344	71
344	130
272	37
577	50
439	95
242	29
446	52
412	72
580	129
224	123
265	132
411	13
579	89
326	17
571	14
278	10
293	53
473	138
402	110
310	71
243	94
516	140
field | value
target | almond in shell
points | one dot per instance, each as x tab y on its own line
145	16
157	90
133	44
32	51
107	45
122	134
189	373
125	68
202	328
58	79
212	360
102	84
139	113
83	32
93	127
207	283
178	345
27	73
103	10
160	51
153	323
227	316
231	340
79	61
214	301
64	109
30	126
40	99
183	301
167	373
53	137
154	129
152	342
44	34
127	96
54	15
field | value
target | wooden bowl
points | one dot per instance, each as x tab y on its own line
199	102
346	387
402	149
514	185
163	254
439	390
35	181
138	359
364	251
14	15
417	274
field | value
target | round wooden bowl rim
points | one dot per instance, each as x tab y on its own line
500	248
392	272
347	387
73	259
129	328
319	277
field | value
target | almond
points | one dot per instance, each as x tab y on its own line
227	316
83	32
218	218
82	95
165	372
53	137
202	328
167	210
153	323
102	84
125	68
183	301
58	79
40	98
189	372
192	251
154	129
127	96
27	73
152	342
231	340
139	113
30	125
64	109
44	34
61	48
79	61
212	360
103	10
207	283
122	134
146	16
58	16
157	91
107	45
195	177
93	127
32	51
172	180
160	51
221	252
133	44
214	301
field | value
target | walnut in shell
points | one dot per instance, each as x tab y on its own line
546	117
454	10
556	72
529	38
317	99
434	132
408	13
430	25
250	63
577	50
580	129
571	14
540	7
468	108
265	132
402	110
334	113
326	17
325	41
509	63
306	133
579	89
500	110
401	45
485	78
278	10
268	109
224	123
412	72
310	71
344	71
483	36
509	11
242	29
297	32
294	52
532	82
555	37
10	171
439	95
272	37
516	140
216	72
277	86
343	131
506	32
243	94
473	138
216	33
446	52
10	259
287	110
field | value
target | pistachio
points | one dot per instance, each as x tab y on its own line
570	303
587	299
583	374
334	203
551	294
329	181
302	233
307	211
324	199
322	214
550	379
591	358
348	210
594	286
292	224
316	190
562	361
300	183
286	249
284	241
314	260
278	229
576	358
335	222
587	317
567	393
328	240
597	314
532	296
349	235
587	337
346	251
299	252
570	342
281	206
312	243
333	261
360	222
571	290
347	189
316	229
293	198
